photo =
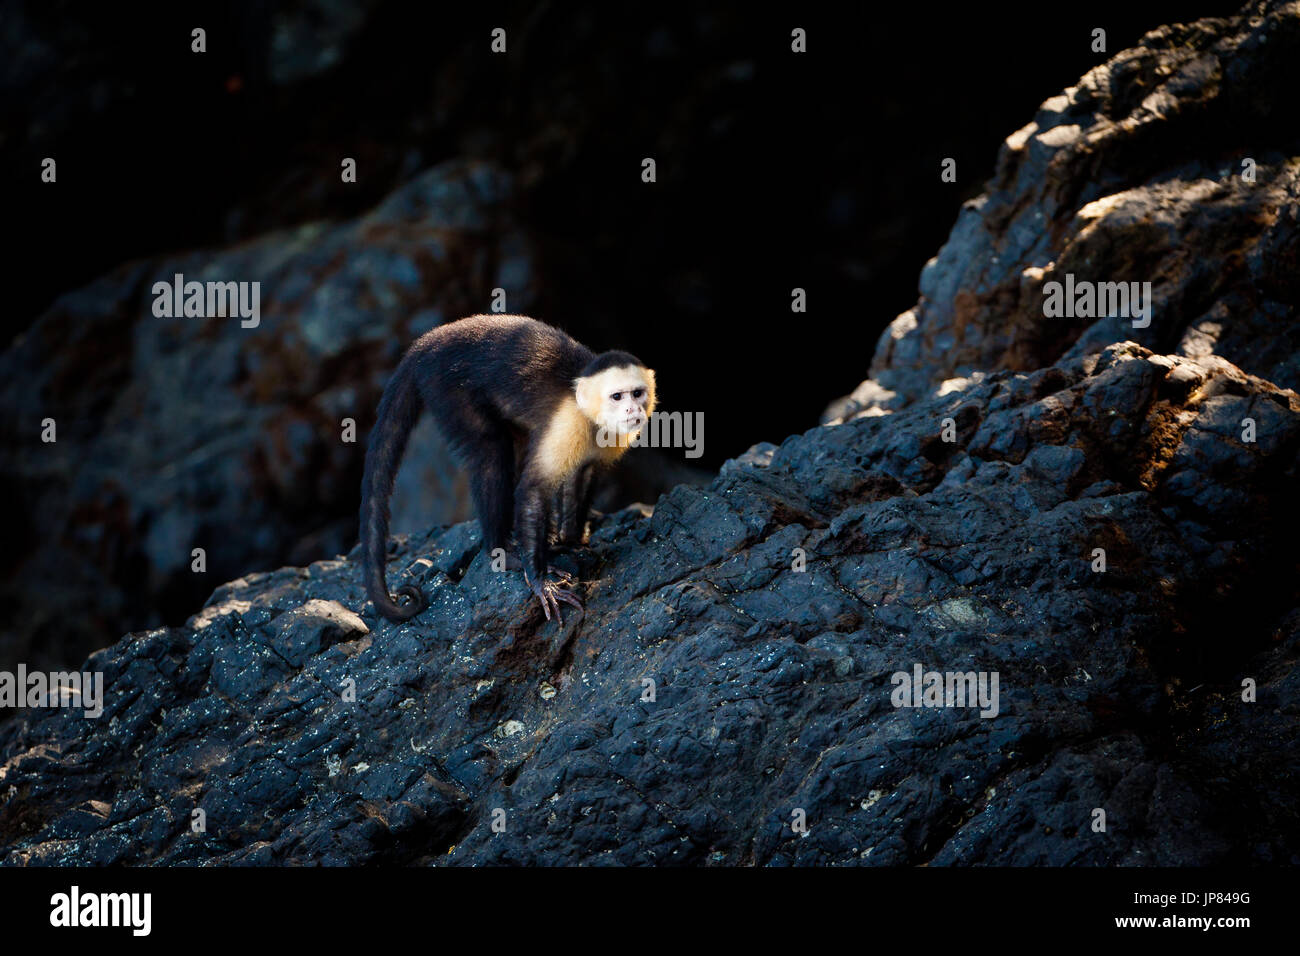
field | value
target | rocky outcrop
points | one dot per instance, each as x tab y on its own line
1173	163
247	441
712	693
1096	514
174	432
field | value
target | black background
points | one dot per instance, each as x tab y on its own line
774	170
921	908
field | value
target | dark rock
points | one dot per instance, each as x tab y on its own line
307	630
232	435
1133	174
305	737
733	671
183	433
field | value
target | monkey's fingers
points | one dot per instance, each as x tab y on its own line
567	596
561	577
549	595
544	598
562	594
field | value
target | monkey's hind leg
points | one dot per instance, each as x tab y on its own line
492	474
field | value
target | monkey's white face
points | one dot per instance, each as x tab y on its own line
619	399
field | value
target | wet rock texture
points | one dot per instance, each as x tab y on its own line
731	676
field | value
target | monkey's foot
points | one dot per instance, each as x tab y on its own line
560	576
550	594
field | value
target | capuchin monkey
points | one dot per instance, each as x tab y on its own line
521	404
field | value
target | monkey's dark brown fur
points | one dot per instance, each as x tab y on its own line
520	403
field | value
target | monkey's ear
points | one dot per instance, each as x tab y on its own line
587	391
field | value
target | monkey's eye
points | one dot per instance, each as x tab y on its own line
638	392
616	396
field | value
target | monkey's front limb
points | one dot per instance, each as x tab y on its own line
531	517
573	506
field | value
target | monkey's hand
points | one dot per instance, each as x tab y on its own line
549	595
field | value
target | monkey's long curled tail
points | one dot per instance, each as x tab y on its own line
399	408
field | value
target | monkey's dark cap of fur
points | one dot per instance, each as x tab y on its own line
610	360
